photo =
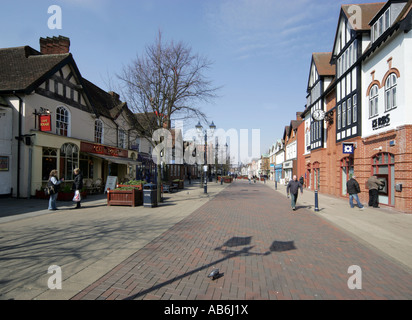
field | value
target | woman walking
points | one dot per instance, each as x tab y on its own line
77	185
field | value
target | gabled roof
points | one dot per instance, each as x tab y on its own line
368	11
322	63
23	68
349	12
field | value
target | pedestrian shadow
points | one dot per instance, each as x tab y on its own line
280	246
246	251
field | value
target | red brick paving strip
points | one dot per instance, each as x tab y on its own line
263	250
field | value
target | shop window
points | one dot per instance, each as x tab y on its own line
69	160
49	162
62	121
86	166
98	131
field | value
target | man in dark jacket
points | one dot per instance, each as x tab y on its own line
352	187
77	184
293	189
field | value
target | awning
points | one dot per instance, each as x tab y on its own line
126	161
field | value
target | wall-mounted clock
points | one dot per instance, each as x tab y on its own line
318	115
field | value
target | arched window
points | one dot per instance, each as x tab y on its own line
98	131
373	101
69	160
62	121
390	92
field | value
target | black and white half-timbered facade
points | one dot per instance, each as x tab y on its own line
320	78
351	39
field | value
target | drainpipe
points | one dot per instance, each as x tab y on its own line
18	143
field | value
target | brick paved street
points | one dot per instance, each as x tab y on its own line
263	249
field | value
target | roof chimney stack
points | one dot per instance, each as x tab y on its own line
55	45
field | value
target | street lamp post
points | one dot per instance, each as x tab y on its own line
199	129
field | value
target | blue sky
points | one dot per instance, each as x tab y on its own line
261	49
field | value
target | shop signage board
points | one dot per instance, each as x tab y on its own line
103	150
111	183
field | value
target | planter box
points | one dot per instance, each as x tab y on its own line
131	197
137	186
227	180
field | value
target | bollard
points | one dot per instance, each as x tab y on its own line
316	201
276	185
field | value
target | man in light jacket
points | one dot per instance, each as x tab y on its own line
373	185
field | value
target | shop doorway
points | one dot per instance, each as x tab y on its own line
347	169
383	166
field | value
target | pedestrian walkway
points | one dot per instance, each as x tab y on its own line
263	250
85	243
386	229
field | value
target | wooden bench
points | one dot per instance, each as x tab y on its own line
169	188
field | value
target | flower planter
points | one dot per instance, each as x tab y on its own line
227	180
132	197
137	186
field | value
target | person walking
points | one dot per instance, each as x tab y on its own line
373	185
77	185
53	181
352	187
293	189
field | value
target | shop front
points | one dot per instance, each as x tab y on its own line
100	161
288	170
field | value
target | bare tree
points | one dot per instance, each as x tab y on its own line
165	84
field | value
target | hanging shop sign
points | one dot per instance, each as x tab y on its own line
348	148
45	122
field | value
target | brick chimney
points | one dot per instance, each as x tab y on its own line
55	45
298	115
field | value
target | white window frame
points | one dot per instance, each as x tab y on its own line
349	115
63	119
355	108
373	101
122	139
98	131
339	117
390	92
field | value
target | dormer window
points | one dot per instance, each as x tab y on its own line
381	25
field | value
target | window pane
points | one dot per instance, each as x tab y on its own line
383	170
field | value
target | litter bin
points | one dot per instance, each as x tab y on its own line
150	195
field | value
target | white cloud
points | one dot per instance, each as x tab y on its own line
255	27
